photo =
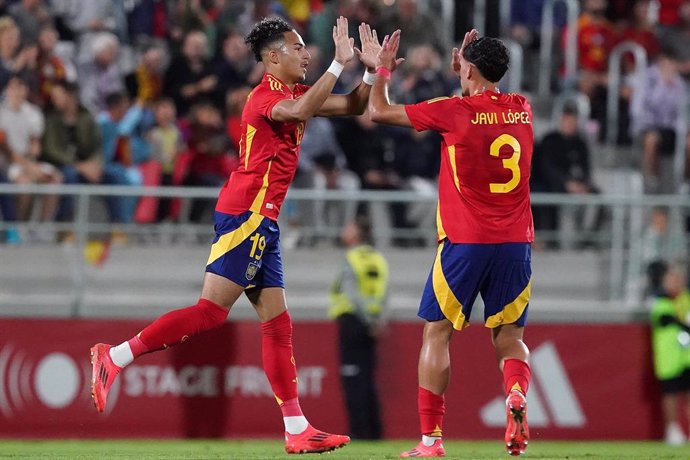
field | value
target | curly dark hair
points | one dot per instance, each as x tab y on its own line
264	33
490	56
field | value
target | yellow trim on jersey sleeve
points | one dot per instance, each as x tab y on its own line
249	139
256	204
513	310
231	240
453	166
437	99
450	305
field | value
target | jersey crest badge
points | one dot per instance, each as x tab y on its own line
252	268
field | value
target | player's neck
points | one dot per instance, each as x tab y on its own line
482	86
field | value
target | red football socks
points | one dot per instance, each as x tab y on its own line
177	326
431	409
516	375
278	361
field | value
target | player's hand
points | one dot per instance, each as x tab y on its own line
456	54
344	45
469	38
389	50
370	46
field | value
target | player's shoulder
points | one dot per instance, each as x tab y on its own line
517	99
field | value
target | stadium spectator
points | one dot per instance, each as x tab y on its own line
7	204
358	299
82	21
147	20
369	149
211	159
676	38
22	124
596	37
657	107
421	28
250	200
663	243
101	75
13	58
71	142
323	166
125	148
167	144
562	164
484	222
190	79
671	351
145	84
31	17
51	67
235	67
416	153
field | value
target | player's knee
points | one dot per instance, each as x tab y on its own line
213	314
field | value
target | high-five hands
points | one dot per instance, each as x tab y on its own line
370	46
389	49
344	45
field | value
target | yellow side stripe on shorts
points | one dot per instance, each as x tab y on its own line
232	239
513	310
450	305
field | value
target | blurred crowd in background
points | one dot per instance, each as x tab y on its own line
150	92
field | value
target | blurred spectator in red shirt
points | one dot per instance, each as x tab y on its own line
677	38
212	160
639	28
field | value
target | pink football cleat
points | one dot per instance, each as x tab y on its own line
517	431
103	374
313	441
434	450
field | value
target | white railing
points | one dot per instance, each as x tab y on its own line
617	244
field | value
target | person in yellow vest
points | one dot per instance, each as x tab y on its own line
358	299
670	318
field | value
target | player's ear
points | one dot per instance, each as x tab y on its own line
272	55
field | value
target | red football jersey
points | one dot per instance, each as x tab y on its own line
268	153
485	166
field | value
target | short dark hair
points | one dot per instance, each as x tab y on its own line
490	56
264	33
113	100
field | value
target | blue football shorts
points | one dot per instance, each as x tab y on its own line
246	250
501	273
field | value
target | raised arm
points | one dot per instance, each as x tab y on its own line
355	102
306	106
380	108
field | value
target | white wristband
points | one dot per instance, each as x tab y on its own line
336	68
369	78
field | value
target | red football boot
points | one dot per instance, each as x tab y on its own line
103	374
434	450
517	431
313	441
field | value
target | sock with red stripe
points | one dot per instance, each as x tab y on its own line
170	329
431	410
279	366
516	375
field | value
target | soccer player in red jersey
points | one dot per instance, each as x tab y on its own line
245	255
484	224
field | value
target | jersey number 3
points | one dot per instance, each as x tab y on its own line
512	163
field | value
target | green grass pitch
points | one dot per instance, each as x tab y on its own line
360	450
